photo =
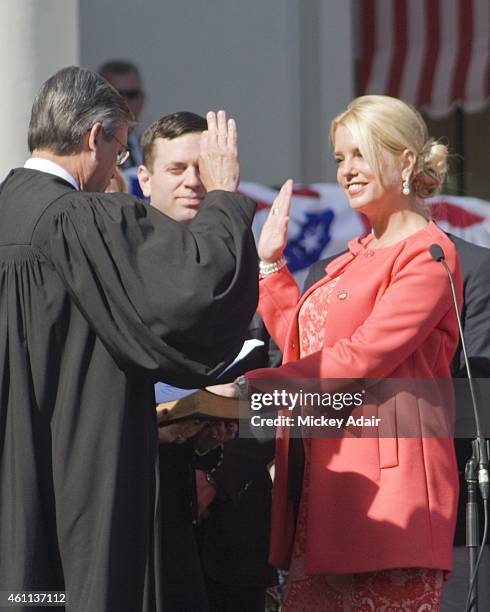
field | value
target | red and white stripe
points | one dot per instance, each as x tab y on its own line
430	53
478	81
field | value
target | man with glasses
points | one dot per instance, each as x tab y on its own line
101	296
125	77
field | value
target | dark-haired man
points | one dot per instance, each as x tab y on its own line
236	497
125	77
169	175
101	296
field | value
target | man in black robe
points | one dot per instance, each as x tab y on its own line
100	296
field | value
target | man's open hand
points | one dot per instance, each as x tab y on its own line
219	167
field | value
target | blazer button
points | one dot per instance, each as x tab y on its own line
293	345
369	253
342	294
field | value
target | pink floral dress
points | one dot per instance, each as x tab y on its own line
393	590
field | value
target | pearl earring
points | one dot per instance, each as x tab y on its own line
405	187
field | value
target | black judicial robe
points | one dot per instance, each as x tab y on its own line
100	296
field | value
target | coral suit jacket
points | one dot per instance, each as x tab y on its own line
377	502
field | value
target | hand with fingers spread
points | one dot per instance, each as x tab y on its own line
219	167
274	234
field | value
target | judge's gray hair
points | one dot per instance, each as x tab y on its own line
68	105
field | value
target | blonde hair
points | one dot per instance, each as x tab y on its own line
385	123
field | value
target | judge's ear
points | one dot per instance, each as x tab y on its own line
144	179
94	134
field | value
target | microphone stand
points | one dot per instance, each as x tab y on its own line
475	474
477	466
472	522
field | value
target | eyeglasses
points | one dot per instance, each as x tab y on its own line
123	154
130	94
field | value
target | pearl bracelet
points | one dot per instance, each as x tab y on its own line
266	268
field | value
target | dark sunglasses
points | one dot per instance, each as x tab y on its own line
130	94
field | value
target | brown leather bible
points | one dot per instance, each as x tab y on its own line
202	405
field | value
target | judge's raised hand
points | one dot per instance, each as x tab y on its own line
219	167
274	234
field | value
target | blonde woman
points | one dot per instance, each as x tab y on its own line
373	527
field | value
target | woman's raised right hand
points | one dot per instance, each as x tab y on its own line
274	234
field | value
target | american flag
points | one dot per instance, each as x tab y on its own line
433	54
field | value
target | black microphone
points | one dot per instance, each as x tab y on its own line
437	254
479	457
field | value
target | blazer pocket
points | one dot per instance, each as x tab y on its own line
387	434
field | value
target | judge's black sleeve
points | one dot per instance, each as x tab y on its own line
163	297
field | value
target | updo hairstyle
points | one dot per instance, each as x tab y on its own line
383	122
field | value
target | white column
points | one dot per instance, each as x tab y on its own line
37	37
327	68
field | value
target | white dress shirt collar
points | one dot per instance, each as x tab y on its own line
46	165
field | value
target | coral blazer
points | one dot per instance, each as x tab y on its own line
374	503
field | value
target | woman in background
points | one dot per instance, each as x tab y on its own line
374	522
